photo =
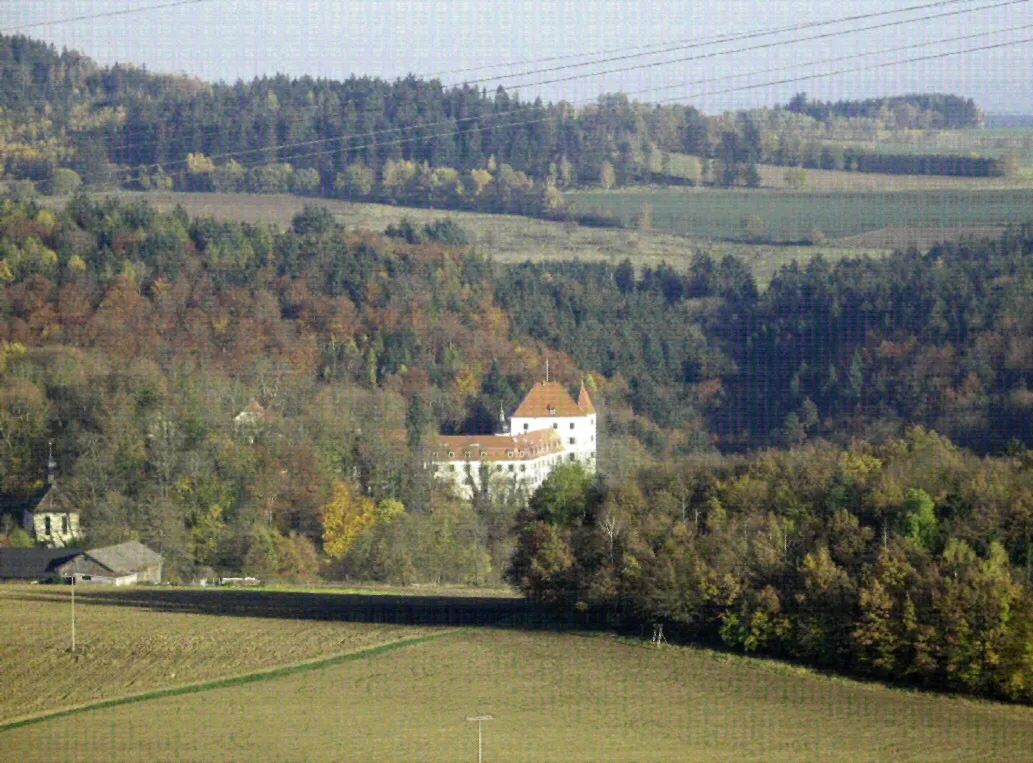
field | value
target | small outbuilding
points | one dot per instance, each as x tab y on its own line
124	564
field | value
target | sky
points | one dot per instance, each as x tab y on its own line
241	39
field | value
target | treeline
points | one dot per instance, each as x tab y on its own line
915	111
411	141
928	164
909	561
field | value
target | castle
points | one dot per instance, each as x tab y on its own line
546	429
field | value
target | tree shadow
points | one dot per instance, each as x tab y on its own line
390	609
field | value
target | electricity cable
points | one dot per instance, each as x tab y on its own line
729	38
690	41
739	88
365	135
104	15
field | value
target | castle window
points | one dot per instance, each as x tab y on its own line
523	468
572	456
572	425
511	467
555	425
573	440
526	426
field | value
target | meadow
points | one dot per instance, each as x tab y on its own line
122	650
555	695
510	238
794	216
989	142
685	220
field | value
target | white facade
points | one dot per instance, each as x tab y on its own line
466	475
547	429
54	522
577	433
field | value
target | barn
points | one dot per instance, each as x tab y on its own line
34	564
124	564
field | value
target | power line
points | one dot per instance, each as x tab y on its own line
763	46
836	59
690	41
458	121
734	38
703	43
706	93
740	88
104	15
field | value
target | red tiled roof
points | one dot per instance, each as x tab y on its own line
548	399
493	447
584	402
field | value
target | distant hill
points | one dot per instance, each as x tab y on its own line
411	141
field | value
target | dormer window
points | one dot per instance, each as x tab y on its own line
552	410
451	454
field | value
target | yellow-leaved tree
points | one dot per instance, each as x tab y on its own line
345	515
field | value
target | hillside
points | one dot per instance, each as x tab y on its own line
66	120
544	689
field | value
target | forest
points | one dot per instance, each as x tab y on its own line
838	447
66	121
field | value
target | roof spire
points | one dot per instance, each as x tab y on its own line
51	464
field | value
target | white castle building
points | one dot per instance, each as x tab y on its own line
546	429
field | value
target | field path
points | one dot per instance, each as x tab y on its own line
222	683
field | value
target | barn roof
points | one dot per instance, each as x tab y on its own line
131	556
548	399
33	563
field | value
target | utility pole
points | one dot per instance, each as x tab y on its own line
480	738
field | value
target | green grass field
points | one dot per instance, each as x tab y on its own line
994	142
509	238
555	695
685	221
788	216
